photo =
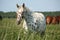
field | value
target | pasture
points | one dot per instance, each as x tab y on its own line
9	30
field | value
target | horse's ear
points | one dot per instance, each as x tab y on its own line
23	5
17	5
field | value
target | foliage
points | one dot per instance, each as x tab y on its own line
13	14
8	14
56	13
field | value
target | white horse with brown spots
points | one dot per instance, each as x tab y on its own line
34	21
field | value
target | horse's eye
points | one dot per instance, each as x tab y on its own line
22	17
22	12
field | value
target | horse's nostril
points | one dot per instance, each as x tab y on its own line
18	22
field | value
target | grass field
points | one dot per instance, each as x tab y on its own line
9	30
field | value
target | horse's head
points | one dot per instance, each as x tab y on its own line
20	12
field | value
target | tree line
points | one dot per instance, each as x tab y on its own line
13	14
8	14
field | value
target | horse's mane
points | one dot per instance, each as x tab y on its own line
27	9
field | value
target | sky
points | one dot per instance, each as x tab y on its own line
34	5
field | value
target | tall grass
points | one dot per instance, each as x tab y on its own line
9	30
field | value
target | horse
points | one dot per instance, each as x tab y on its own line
33	21
58	19
48	20
54	20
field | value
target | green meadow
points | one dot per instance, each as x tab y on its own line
9	30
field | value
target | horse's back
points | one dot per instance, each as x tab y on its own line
39	16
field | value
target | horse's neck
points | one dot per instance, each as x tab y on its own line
29	17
